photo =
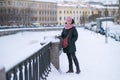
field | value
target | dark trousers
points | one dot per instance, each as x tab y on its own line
72	57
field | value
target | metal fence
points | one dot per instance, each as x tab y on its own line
35	67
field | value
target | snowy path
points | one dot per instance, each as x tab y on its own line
98	60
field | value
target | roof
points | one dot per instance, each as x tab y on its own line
73	5
46	0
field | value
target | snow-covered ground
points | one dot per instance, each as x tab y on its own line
15	48
98	60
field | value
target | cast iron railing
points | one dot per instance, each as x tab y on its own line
35	67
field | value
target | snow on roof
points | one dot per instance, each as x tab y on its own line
110	2
72	5
103	1
46	0
83	5
67	5
97	6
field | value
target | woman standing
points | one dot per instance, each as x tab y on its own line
70	50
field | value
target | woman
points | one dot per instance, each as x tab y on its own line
71	48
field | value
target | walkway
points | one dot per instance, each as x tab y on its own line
98	60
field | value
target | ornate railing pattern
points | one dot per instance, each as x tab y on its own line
35	67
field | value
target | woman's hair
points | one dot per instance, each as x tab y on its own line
71	22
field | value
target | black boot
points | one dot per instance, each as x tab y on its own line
78	71
70	71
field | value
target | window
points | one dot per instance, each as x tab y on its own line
42	12
60	18
67	12
9	3
8	11
77	12
83	12
45	12
0	10
39	12
64	18
77	18
1	4
60	12
80	12
55	19
74	12
55	12
40	19
64	12
74	18
3	10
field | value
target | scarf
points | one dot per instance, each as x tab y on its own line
68	26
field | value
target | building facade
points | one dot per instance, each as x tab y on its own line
27	12
78	12
46	13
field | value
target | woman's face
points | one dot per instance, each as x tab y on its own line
69	21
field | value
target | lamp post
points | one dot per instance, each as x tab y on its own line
106	15
83	19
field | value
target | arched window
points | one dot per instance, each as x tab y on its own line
60	18
60	12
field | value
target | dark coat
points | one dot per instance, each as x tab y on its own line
73	35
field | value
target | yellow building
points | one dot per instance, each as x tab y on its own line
79	12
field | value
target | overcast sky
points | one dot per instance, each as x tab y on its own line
92	0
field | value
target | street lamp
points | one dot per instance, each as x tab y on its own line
106	15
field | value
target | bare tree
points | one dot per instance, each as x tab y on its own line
119	9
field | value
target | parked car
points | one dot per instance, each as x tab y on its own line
94	28
105	25
111	33
117	36
102	31
90	25
114	32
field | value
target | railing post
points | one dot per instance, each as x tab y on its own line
15	74
26	71
43	65
40	67
34	70
36	67
21	72
8	76
30	72
49	60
